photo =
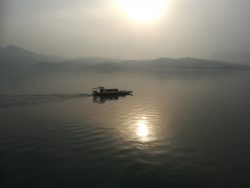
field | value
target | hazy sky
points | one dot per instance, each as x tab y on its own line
195	28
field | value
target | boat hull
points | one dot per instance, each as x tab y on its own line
120	93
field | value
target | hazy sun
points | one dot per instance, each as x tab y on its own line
143	10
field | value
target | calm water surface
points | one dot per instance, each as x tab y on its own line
177	130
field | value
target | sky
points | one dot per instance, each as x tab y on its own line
126	29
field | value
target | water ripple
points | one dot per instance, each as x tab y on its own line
24	100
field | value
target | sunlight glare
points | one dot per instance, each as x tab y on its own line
143	10
142	129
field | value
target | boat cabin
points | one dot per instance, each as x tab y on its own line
103	91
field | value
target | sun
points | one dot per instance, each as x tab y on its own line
143	10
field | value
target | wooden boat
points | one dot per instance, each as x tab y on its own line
101	91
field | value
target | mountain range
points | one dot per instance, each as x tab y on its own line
15	58
233	56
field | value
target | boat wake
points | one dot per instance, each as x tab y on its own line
22	100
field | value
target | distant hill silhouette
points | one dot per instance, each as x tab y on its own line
13	57
162	64
233	56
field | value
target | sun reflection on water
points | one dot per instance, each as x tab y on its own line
142	129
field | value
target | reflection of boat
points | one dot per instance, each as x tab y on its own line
101	91
103	99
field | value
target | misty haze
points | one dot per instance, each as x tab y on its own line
125	93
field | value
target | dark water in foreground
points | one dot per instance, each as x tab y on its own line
176	131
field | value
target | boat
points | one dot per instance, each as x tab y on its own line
101	91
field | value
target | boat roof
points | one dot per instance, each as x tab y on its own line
98	87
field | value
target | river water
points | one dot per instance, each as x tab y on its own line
177	130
